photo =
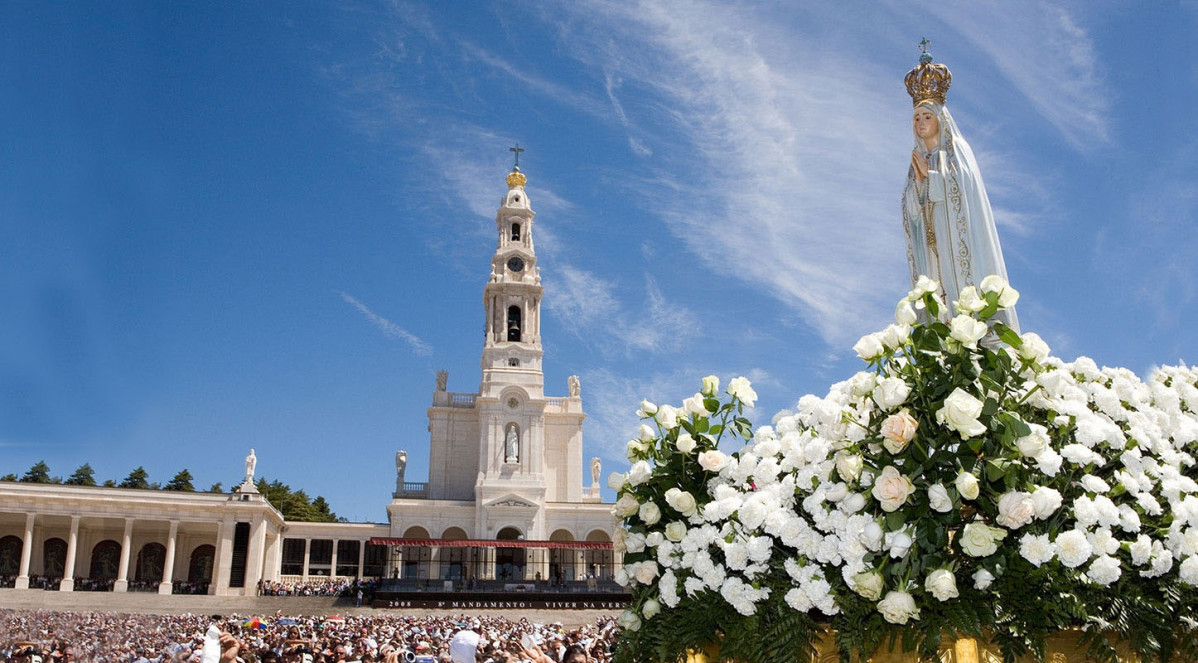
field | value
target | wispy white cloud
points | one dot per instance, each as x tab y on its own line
1047	55
782	176
389	328
587	305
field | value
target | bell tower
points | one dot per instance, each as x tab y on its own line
512	299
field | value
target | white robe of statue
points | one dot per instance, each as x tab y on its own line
947	218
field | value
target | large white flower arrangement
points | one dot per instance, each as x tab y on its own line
966	483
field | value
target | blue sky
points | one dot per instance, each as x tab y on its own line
235	225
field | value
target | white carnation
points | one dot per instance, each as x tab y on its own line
1037	550
1073	548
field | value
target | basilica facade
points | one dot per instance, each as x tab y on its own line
507	502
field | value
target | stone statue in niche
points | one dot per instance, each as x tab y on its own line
511	445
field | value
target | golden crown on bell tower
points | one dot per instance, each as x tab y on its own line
927	81
516	178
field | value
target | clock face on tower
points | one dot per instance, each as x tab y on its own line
515	264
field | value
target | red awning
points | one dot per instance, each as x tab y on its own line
490	543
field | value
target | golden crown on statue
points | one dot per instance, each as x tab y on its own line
927	81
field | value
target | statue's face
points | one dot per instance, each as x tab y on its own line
926	124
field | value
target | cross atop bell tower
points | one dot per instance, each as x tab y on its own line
512	299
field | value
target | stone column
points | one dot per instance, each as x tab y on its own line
333	561
68	569
224	553
307	557
122	571
361	558
256	555
168	571
26	552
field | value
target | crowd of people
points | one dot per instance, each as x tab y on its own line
326	587
63	637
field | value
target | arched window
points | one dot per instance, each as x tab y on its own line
516	231
54	557
513	323
106	557
10	556
199	569
150	562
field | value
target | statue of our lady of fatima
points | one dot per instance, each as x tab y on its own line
946	213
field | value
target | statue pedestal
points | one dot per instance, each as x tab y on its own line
246	487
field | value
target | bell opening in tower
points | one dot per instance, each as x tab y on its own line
513	323
515	232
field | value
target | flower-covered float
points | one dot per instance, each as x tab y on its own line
966	485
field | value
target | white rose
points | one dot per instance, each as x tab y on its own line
1015	509
967	485
713	460
636	449
1073	548
1034	443
681	501
982	579
898	543
1034	348
640	473
853	503
898	430
629	621
654	539
621	577
898	608
616	480
694	405
895	335
869	584
942	584
650	609
1007	296
711	385
863	383
647	410
645	572
676	531
969	301
967	330
649	513
869	347
871	535
646	434
667	416
904	313
740	389
1046	500
960	413
685	443
891	393
848	466
634	542
938	498
923	286
625	506
978	540
891	489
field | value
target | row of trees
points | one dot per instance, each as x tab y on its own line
294	505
